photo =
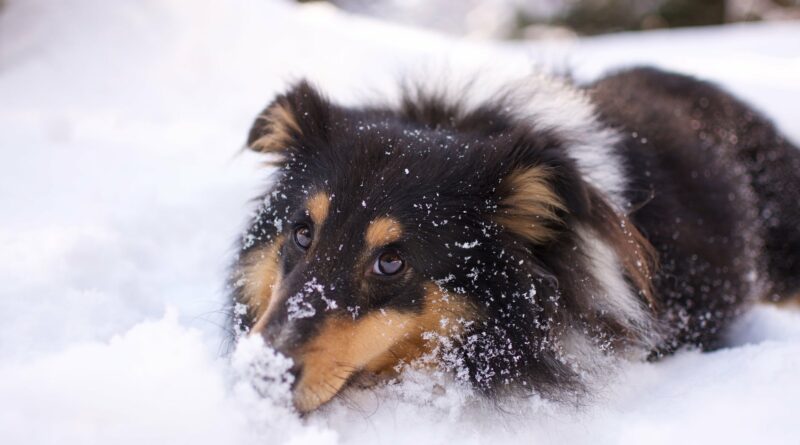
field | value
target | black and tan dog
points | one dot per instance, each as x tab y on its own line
514	239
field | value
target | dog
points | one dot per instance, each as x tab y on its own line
515	239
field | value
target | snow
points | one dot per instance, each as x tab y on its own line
124	188
469	245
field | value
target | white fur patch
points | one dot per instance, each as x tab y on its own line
616	297
553	104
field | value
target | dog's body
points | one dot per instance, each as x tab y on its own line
517	240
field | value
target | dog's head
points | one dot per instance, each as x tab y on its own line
388	231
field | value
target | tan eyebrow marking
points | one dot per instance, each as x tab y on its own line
383	230
318	206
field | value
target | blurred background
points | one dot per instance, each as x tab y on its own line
123	188
534	19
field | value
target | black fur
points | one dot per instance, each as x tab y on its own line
719	189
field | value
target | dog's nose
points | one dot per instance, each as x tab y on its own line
270	334
280	335
296	372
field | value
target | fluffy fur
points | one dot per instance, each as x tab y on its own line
537	229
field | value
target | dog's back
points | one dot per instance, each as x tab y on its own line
718	190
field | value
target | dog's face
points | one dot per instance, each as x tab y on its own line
389	231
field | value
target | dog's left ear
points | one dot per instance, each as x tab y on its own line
292	123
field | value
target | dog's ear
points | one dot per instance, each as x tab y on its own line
540	191
528	203
293	122
539	201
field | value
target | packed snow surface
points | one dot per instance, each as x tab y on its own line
123	189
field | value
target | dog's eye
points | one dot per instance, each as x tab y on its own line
302	236
388	263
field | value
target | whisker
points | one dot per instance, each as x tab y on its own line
342	395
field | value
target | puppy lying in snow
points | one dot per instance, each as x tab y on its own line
517	238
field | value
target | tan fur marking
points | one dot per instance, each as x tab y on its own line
530	206
341	348
383	231
279	123
318	206
786	299
262	277
376	342
443	314
792	301
638	257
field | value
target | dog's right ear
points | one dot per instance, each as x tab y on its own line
292	123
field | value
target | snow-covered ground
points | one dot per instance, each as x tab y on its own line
122	189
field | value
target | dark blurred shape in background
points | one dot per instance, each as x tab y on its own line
533	19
